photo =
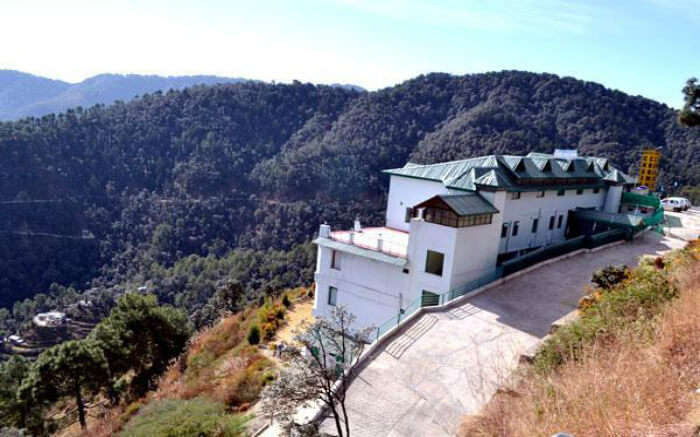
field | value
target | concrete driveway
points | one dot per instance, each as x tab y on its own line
448	364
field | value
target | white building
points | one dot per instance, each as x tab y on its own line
452	223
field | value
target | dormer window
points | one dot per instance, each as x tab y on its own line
457	211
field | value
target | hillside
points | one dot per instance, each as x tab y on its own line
238	169
627	366
24	95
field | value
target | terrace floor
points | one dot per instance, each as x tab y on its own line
393	241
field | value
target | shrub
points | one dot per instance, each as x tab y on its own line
254	335
608	277
196	417
285	301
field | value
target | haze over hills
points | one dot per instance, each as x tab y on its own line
23	94
245	172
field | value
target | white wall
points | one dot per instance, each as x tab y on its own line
613	199
529	207
369	289
476	248
426	236
406	192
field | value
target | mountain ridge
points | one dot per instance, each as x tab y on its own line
212	170
27	95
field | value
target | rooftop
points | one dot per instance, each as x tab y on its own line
517	173
390	241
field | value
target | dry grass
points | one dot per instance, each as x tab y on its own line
219	364
636	381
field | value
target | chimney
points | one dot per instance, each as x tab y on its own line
324	231
358	226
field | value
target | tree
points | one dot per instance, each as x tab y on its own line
690	114
73	368
12	408
141	336
320	369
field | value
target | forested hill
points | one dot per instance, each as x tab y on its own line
252	165
23	94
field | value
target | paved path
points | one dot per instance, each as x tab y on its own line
450	363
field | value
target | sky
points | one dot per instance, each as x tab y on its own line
645	47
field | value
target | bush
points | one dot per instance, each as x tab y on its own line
610	276
620	306
196	417
254	335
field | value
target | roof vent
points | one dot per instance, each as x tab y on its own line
567	154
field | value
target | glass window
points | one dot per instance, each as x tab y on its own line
535	222
504	230
335	260
409	214
332	296
561	192
540	193
561	218
433	262
516	227
551	222
515	195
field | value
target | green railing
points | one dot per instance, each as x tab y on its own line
606	237
436	299
506	268
542	254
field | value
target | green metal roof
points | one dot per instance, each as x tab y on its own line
465	204
359	251
627	220
516	173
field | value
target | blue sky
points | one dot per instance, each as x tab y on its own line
647	47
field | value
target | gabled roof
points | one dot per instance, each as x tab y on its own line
461	204
517	173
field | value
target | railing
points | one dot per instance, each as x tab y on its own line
507	268
436	299
543	253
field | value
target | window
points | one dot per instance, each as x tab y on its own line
579	191
409	214
516	226
561	218
551	222
433	262
561	192
540	193
335	260
535	222
332	296
448	218
504	230
596	190
515	195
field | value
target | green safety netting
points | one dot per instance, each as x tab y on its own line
641	199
